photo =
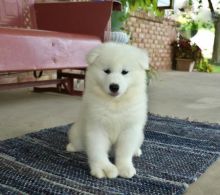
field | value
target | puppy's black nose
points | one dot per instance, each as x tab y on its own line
114	88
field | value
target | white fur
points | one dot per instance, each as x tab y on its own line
108	121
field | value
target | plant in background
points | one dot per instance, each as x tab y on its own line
184	49
129	6
118	19
204	66
190	21
189	27
149	6
215	15
151	73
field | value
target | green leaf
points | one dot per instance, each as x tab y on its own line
117	20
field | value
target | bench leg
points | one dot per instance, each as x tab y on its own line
67	84
59	76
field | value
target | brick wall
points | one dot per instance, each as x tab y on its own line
155	35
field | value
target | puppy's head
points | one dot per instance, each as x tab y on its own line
116	67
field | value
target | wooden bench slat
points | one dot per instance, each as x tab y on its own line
25	50
31	84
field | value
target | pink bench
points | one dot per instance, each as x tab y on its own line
66	33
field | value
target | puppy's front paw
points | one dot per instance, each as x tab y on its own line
104	170
127	171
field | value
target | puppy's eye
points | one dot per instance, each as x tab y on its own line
107	71
124	72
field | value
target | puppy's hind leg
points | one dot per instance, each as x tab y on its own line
75	139
138	153
70	148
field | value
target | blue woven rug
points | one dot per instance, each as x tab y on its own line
175	153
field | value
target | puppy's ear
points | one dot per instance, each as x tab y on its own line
92	56
144	60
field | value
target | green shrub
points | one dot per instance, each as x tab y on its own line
204	66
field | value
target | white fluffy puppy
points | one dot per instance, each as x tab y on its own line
114	110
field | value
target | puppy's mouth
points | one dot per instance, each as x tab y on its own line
114	94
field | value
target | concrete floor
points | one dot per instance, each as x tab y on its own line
184	95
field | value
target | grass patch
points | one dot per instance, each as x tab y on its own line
216	68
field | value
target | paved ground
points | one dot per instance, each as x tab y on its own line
183	95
